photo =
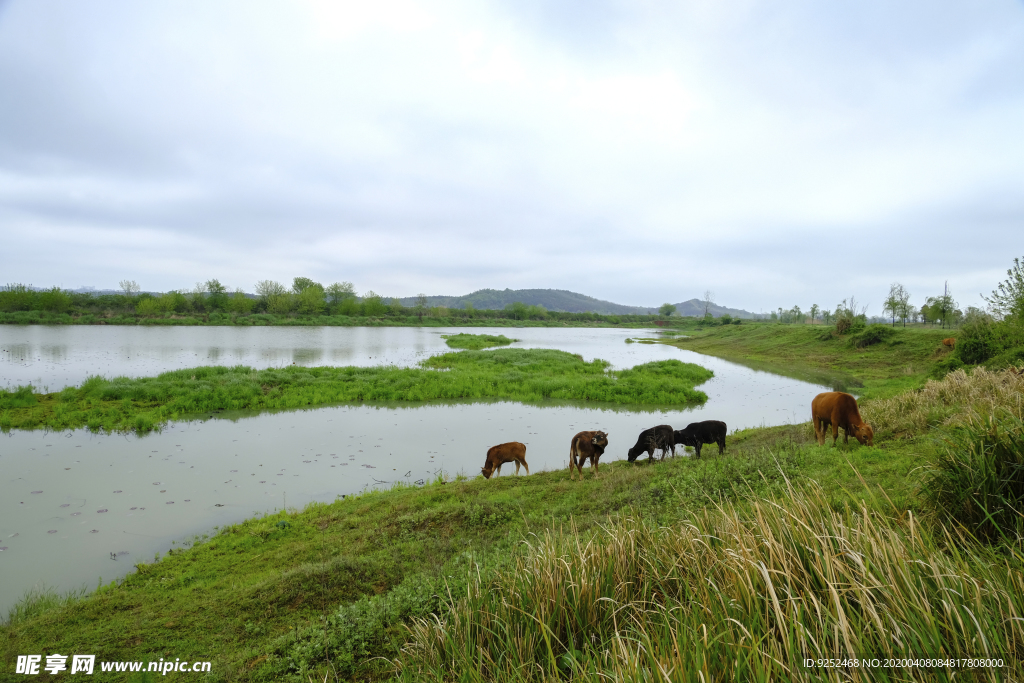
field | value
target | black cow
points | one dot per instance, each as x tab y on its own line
697	434
659	437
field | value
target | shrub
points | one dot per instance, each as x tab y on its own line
976	342
871	335
977	481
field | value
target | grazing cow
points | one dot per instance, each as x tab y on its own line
497	456
950	342
839	410
656	437
697	434
586	446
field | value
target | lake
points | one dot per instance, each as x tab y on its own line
76	506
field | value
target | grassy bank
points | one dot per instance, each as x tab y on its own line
900	359
326	590
143	404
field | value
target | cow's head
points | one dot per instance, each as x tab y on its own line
600	439
634	452
487	472
864	434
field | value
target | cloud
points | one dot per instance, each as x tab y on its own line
777	153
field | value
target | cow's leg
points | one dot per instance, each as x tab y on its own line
697	447
524	465
517	468
721	445
497	469
594	460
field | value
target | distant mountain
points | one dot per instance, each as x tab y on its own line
563	300
695	307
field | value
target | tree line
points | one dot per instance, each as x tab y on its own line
305	297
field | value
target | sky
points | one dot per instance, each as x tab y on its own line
643	151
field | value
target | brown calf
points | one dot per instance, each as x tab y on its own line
950	342
586	446
497	456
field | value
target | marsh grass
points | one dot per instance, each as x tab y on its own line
464	340
977	480
144	404
735	592
947	402
40	600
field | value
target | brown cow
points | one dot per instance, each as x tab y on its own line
950	342
839	410
513	451
586	446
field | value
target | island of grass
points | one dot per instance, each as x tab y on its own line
476	342
144	404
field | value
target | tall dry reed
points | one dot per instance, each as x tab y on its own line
948	401
737	593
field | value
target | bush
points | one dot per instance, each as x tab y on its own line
871	335
976	342
977	482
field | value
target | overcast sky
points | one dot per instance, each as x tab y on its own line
640	151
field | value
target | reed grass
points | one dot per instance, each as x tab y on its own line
977	481
737	592
947	402
143	404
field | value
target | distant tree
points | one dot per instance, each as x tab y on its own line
896	301
666	310
814	312
373	304
1007	299
129	287
310	299
339	291
268	288
301	284
421	305
517	310
55	300
216	295
240	303
945	308
273	297
708	301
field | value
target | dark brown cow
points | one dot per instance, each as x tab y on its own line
497	456
697	434
586	446
839	410
659	437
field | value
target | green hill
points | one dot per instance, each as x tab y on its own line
563	300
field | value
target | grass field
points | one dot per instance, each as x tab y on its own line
812	353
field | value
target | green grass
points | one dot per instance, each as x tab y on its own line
876	362
144	404
255	598
476	341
